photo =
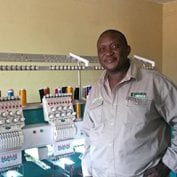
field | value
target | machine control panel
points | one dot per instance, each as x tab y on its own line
11	114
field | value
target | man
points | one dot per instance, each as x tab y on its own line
128	117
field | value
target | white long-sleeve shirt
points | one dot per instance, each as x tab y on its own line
127	130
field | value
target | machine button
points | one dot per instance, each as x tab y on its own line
4	114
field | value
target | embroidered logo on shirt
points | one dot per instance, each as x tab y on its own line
137	98
139	95
97	99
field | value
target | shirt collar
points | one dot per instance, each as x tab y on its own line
132	73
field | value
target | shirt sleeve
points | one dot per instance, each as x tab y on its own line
86	163
169	112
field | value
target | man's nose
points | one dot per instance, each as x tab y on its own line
109	51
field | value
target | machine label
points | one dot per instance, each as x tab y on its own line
8	159
63	147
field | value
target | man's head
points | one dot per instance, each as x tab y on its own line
113	50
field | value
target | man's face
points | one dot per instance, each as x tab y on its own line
112	53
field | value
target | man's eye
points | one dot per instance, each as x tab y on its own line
102	49
115	46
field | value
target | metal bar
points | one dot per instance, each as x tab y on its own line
25	57
50	68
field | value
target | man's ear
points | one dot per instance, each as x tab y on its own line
128	50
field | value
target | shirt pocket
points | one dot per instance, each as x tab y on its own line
96	111
137	110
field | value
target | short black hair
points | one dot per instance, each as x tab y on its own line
112	32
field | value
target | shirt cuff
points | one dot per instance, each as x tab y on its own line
169	159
